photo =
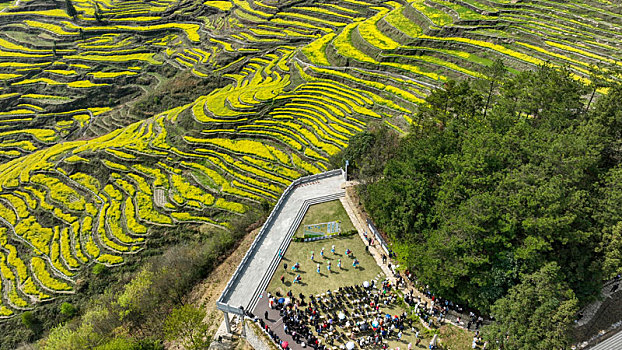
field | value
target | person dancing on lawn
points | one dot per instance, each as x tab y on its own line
312	255
318	268
328	266
339	264
322	252
332	249
355	263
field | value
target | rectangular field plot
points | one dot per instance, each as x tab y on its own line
315	283
326	212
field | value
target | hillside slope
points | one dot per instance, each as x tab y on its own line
83	179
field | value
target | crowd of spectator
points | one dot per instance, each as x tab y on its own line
349	315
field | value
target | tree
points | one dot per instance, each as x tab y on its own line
359	146
186	324
607	114
128	343
609	215
135	299
62	337
456	100
536	314
97	13
548	94
98	269
265	206
117	344
179	269
68	309
612	251
472	203
494	74
71	10
368	152
29	320
597	80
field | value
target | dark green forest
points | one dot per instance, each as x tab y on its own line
501	186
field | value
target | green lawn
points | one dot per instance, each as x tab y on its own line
455	338
326	212
314	283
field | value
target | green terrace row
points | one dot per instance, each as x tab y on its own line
17	127
65	206
114	222
372	43
116	216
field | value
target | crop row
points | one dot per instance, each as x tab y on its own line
101	221
72	204
348	45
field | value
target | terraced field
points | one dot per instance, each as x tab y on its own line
82	180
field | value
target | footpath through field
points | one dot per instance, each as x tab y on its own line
254	272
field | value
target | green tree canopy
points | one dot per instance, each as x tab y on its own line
68	309
535	314
368	152
186	323
71	10
472	203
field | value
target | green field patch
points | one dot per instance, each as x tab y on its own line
438	17
326	212
313	282
221	5
397	19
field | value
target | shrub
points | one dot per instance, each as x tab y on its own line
186	323
68	309
29	320
98	269
348	233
